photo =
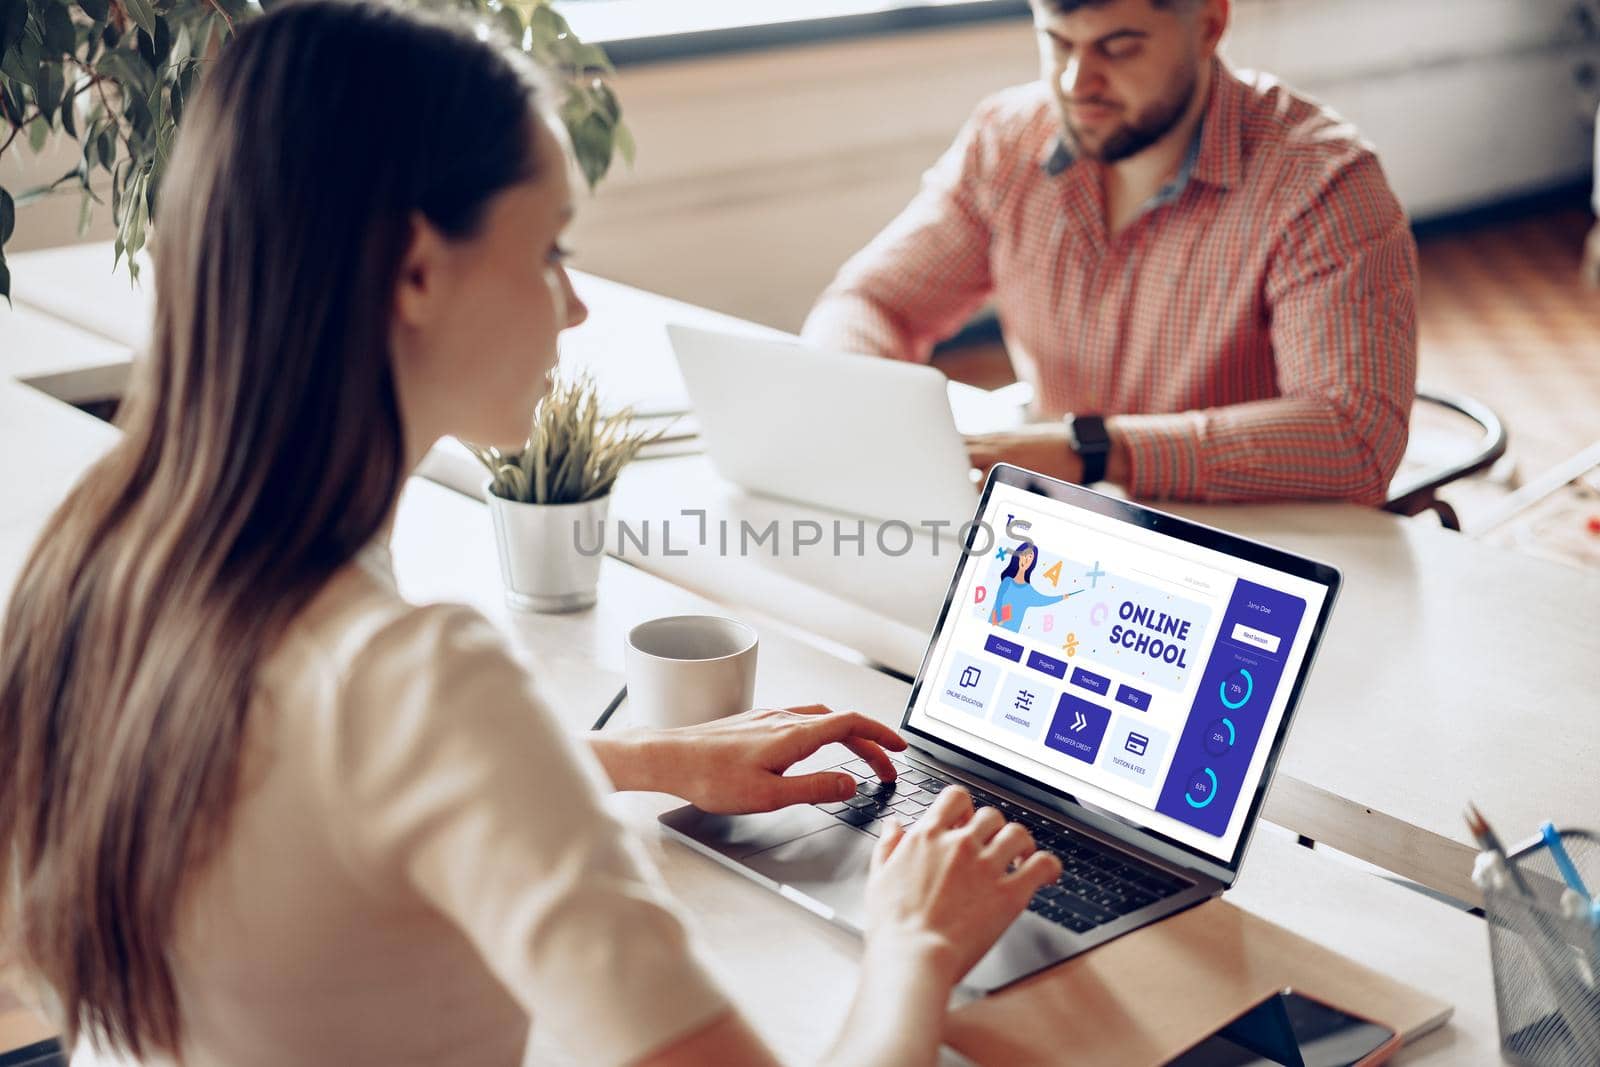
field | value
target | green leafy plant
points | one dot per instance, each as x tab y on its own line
573	453
114	75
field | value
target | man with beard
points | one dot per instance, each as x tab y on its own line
1205	277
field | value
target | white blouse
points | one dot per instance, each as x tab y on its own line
419	867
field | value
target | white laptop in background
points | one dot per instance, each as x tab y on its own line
854	434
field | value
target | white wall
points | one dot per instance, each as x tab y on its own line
1467	101
52	221
758	174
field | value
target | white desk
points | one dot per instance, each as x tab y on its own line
60	359
76	284
1451	671
623	344
795	973
44	446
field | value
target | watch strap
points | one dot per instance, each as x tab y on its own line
1092	442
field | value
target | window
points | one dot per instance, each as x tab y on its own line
635	31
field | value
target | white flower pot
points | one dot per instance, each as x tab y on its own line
549	553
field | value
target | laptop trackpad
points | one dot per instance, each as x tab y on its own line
829	866
740	836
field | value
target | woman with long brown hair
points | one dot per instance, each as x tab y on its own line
256	808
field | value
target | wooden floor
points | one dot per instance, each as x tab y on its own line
1505	319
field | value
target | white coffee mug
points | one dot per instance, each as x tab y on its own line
689	669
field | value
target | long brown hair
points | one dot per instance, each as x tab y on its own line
262	448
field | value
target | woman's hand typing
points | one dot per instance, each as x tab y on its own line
739	764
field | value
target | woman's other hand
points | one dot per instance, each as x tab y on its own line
944	890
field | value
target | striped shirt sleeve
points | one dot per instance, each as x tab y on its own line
925	274
1341	298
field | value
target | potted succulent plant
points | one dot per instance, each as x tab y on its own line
549	500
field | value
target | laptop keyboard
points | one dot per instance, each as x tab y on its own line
1098	883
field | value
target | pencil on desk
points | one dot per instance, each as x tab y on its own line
1564	979
1489	841
1563	862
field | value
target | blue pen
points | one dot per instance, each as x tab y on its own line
1558	852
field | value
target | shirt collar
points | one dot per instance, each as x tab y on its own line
1219	160
1180	181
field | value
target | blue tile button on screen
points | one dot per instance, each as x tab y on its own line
1048	665
968	683
1023	705
1077	728
1001	647
1134	698
1135	749
1095	683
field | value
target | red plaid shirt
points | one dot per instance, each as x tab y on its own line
1255	327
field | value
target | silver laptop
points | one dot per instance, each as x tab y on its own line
854	434
1117	679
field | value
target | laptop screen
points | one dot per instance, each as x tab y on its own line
1129	660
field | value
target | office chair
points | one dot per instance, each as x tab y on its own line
1415	485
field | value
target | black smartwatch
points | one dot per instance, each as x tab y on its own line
1092	444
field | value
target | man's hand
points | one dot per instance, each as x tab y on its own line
1591	258
737	764
1045	447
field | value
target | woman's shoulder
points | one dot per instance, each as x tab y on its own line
364	680
358	624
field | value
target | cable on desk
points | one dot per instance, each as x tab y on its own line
611	709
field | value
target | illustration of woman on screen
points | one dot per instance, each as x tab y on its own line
1015	595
